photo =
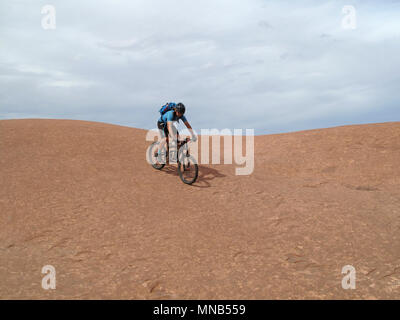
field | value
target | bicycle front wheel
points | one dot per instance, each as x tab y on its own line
188	169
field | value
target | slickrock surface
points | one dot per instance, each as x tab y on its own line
80	196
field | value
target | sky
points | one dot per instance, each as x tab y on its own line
271	66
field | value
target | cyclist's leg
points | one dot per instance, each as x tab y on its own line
172	141
164	133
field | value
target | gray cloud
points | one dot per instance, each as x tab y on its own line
270	65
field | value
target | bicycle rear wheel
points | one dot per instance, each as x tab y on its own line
188	169
157	162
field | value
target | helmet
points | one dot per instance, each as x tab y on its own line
180	107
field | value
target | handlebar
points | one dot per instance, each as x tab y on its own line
182	142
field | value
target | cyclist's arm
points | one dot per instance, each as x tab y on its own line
171	130
169	117
187	124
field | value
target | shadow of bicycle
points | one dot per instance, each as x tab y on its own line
206	174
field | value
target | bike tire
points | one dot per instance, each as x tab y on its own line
181	170
157	165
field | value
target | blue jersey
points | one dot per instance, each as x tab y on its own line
171	116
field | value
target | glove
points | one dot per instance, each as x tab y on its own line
194	138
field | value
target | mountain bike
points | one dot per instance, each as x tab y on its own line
188	169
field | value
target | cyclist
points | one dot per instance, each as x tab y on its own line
165	124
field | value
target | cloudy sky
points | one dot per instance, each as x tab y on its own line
275	66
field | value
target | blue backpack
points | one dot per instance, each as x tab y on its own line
167	107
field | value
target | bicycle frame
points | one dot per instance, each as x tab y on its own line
180	144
